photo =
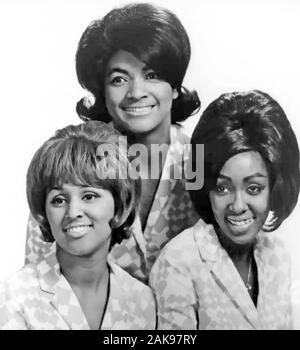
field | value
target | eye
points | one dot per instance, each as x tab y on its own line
254	189
151	75
58	201
90	197
117	80
222	189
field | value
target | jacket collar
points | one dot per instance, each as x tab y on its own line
224	272
61	296
59	292
172	171
117	302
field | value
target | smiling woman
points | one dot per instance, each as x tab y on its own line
232	263
240	200
76	215
136	98
84	212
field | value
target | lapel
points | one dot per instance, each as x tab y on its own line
172	171
273	265
137	232
224	272
58	291
117	311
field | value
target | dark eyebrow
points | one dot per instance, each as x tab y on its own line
117	70
56	188
255	175
124	71
247	178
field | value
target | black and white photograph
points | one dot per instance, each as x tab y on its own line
150	164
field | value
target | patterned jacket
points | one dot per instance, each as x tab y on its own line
171	212
198	287
38	297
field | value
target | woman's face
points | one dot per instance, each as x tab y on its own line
240	200
135	98
79	218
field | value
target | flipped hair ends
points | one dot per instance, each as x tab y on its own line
72	156
248	121
154	35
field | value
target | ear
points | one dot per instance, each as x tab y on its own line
175	94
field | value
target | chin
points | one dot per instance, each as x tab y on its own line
243	238
143	129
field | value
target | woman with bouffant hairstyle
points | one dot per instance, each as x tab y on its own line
229	271
84	209
238	122
154	35
75	155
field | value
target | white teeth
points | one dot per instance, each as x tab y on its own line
240	222
77	229
138	110
134	109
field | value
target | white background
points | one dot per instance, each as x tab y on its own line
236	45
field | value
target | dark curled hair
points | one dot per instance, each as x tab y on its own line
152	34
248	121
77	154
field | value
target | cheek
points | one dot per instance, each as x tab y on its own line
261	205
103	213
53	217
113	96
167	97
109	101
163	92
218	205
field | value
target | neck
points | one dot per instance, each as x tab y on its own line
83	271
149	139
155	144
237	252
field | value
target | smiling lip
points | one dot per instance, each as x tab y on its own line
137	111
77	231
239	224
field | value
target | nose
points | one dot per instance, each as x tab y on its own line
238	204
74	210
136	89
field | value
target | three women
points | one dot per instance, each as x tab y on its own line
133	61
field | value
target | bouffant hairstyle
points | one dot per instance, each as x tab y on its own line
248	121
89	154
152	34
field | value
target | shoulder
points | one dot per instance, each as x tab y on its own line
181	253
271	242
20	285
184	251
135	297
185	243
128	283
274	250
179	245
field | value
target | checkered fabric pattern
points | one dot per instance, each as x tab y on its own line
38	297
198	287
